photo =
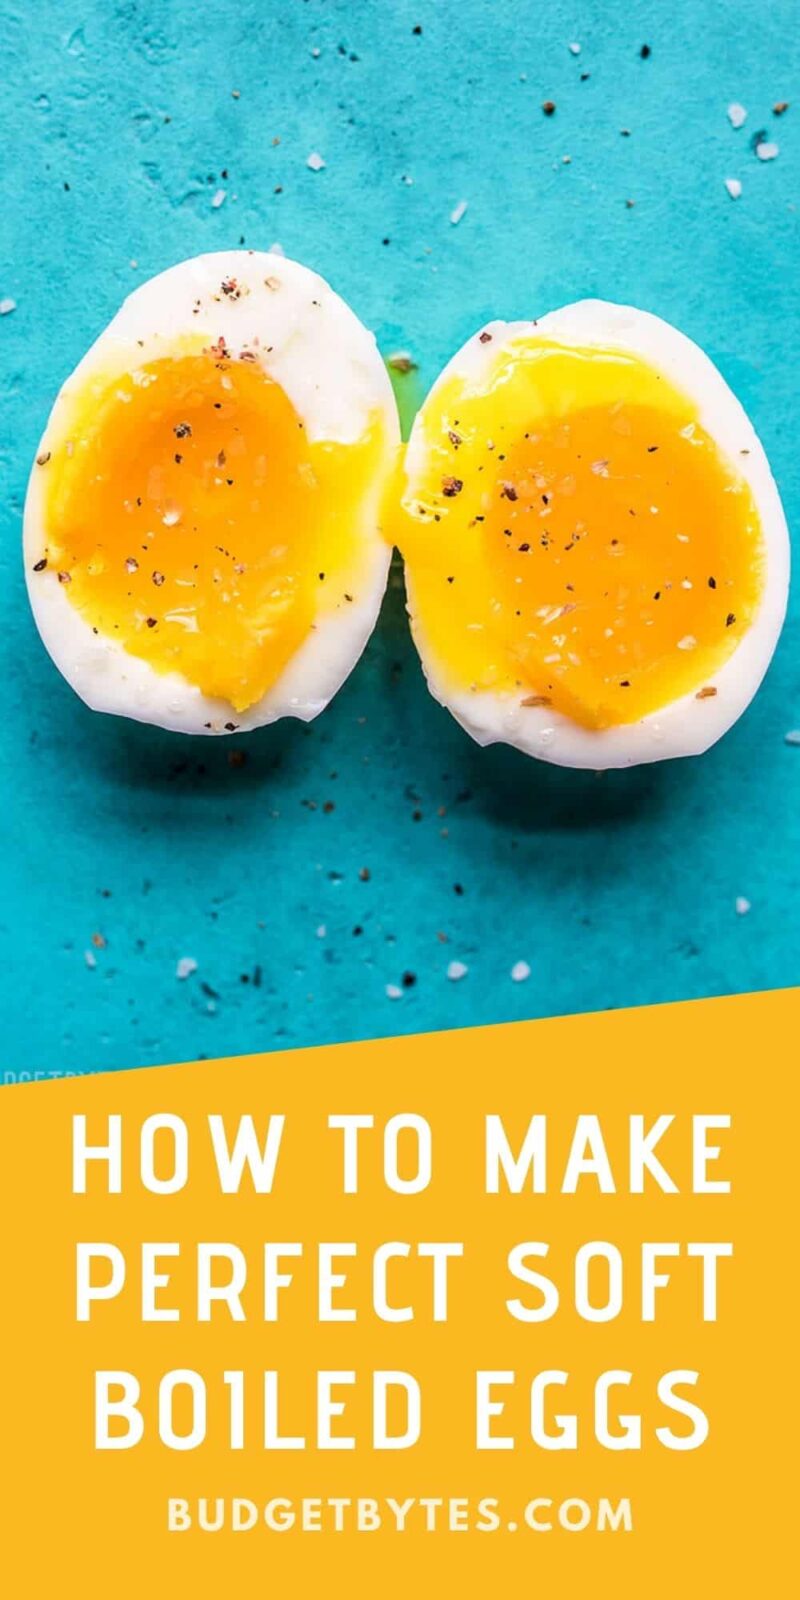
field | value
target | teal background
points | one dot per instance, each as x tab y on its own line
116	121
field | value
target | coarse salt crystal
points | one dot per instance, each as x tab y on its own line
792	737
218	199
7	306
315	161
458	211
737	116
456	971
574	49
767	151
392	992
742	906
520	971
734	187
688	642
186	966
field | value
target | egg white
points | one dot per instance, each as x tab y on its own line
687	726
328	364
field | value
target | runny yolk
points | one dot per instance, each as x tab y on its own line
193	520
573	535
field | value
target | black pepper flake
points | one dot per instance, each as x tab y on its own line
485	338
452	486
712	583
651	448
230	727
42	460
509	492
624	683
182	430
64	577
40	565
409	979
730	619
158	579
450	580
548	107
151	622
523	548
645	52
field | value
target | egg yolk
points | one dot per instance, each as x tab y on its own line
192	519
573	535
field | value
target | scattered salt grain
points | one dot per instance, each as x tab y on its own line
90	958
792	737
688	642
7	306
737	116
458	211
456	971
315	161
401	361
218	199
742	906
322	931
766	150
186	966
392	992
574	49
734	187
520	971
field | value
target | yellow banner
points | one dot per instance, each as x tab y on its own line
485	1311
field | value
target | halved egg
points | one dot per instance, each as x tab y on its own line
202	540
596	556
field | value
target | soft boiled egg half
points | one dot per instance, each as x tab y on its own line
597	560
202	539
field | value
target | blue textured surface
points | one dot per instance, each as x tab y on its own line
117	120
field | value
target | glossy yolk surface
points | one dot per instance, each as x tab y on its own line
574	535
193	520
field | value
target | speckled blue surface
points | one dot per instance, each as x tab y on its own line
116	122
